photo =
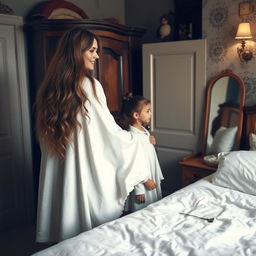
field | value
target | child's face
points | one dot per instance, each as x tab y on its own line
145	114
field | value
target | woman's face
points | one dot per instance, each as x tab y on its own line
90	56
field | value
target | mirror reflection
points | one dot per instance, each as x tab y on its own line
224	109
223	116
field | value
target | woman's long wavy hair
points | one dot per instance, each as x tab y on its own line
61	96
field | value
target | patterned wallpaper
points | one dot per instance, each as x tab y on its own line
220	22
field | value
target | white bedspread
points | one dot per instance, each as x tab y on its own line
160	229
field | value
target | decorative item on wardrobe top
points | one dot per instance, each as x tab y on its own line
245	52
56	9
5	9
165	31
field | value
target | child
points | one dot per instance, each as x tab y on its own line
135	114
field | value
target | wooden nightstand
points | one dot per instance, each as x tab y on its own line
193	169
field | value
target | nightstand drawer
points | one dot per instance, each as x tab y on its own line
191	174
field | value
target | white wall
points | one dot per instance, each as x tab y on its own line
95	9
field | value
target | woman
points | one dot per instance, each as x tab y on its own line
88	164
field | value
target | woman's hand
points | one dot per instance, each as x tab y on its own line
152	140
150	184
140	199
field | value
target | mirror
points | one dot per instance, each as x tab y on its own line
224	102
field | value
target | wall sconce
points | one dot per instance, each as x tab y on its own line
244	32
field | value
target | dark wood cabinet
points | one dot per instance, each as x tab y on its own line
193	169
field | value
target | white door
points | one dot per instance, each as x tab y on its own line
16	190
174	79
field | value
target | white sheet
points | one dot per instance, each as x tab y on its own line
159	229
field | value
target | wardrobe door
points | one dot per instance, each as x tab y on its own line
113	71
16	182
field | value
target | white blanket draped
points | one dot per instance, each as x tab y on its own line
155	174
90	186
160	229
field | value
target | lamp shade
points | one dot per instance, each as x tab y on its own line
244	31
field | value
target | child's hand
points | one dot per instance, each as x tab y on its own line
140	199
152	140
150	184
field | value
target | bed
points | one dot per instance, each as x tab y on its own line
222	218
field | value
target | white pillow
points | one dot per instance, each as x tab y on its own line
223	140
252	141
237	170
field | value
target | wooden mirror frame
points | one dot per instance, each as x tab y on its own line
208	96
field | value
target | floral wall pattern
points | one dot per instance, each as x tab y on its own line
220	22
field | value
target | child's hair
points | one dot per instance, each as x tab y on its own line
131	104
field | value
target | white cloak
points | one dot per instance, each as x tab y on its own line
89	187
154	195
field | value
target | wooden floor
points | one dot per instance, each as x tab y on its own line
20	242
